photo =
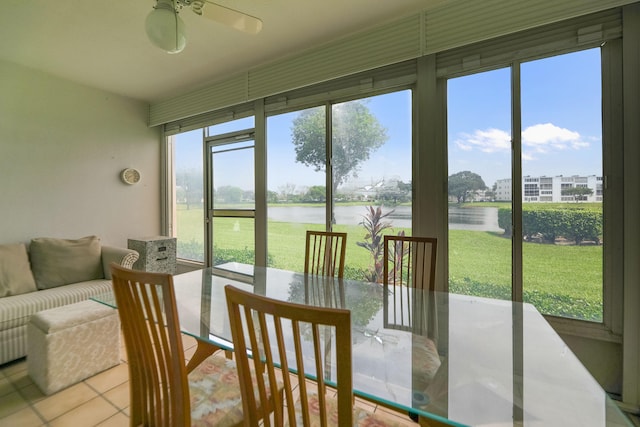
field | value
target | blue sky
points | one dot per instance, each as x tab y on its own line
561	123
391	160
561	119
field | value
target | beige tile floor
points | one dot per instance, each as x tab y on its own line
102	400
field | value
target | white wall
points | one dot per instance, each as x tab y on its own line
62	147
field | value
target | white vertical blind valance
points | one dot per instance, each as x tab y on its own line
213	97
207	119
453	25
585	31
459	23
381	79
381	46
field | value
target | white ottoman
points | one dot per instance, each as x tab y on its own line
67	344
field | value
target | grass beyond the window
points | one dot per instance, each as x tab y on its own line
559	280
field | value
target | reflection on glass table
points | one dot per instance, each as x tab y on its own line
464	361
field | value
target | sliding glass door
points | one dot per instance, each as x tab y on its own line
479	128
553	189
231	185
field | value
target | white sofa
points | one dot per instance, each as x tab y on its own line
50	273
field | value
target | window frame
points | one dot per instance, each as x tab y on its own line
610	329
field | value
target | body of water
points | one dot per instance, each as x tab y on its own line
478	219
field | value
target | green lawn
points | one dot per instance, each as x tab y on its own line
286	240
559	280
486	257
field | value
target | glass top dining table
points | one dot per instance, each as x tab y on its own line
457	359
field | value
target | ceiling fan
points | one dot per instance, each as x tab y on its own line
165	28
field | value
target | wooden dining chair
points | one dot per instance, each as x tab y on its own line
277	337
408	262
162	393
324	253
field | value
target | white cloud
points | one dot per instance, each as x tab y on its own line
488	141
540	138
547	136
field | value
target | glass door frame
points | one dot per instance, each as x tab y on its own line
610	328
210	142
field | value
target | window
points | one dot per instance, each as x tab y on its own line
530	190
370	150
230	189
479	116
561	156
562	136
371	176
188	195
296	193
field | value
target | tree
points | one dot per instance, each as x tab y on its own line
316	193
394	192
228	194
189	187
272	197
356	134
462	184
287	190
578	193
248	196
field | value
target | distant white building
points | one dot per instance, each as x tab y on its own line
503	190
549	189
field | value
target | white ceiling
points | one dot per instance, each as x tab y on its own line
102	43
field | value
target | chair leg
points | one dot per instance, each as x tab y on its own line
203	351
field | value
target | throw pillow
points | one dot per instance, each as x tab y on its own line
15	273
57	262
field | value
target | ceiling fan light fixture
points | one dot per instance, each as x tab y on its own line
164	27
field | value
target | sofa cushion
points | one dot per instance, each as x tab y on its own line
57	262
15	311
15	272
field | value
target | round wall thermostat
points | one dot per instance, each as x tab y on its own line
130	176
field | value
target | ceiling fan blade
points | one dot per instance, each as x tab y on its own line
232	18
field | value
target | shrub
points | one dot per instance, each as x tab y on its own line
546	224
374	240
546	303
243	256
583	225
355	273
193	250
549	224
504	221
